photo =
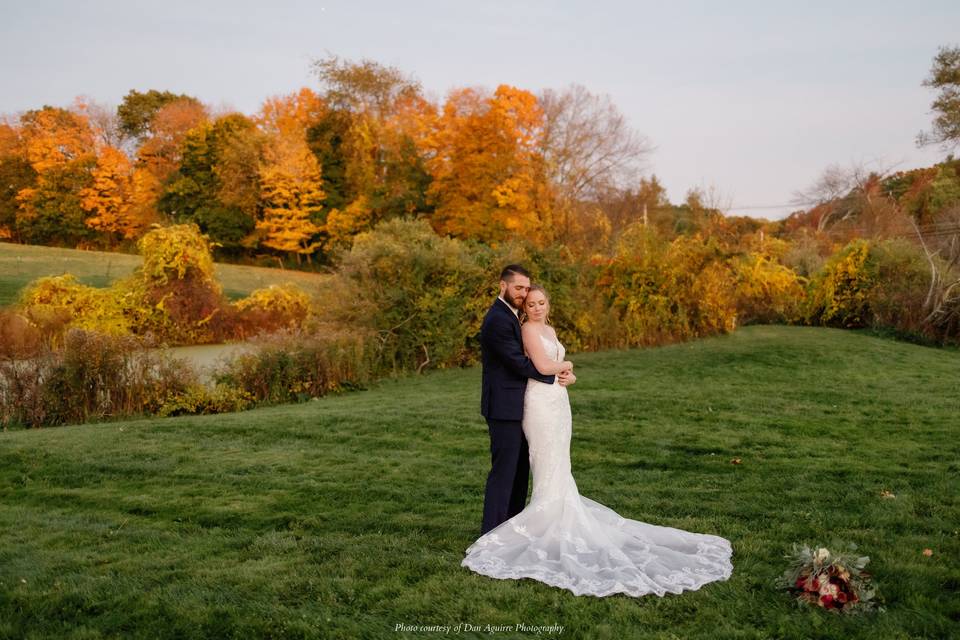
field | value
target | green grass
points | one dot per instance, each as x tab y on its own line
346	516
21	264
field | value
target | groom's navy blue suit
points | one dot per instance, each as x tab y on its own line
505	372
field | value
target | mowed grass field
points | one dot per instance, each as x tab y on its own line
21	264
347	516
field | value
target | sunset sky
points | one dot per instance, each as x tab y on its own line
753	99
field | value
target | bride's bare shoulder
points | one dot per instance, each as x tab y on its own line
551	332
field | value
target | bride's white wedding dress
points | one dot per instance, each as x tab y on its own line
569	541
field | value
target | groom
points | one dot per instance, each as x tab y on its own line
505	372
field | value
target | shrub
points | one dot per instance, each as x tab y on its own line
296	365
174	296
270	309
94	376
666	292
55	302
578	308
200	399
423	295
881	285
19	338
766	290
899	288
804	254
838	293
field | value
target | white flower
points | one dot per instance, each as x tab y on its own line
821	555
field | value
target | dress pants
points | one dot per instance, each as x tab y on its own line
509	476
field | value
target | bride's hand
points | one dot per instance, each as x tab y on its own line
566	378
567	366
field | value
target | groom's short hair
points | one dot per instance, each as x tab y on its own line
513	270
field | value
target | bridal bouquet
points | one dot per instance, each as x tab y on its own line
829	579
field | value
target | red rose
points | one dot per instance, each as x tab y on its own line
827	601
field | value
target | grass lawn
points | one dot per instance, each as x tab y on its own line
21	264
347	516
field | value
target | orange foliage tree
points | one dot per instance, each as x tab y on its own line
488	176
109	198
60	147
160	151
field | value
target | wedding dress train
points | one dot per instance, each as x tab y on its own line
566	540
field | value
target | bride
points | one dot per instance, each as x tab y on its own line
569	541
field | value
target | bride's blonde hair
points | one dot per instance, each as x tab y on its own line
537	287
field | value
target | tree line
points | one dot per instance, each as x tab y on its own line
310	170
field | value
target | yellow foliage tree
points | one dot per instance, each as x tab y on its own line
343	225
292	196
290	178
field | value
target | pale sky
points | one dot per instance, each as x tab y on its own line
751	99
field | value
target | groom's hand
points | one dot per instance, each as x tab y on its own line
566	378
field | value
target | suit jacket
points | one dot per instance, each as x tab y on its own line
505	366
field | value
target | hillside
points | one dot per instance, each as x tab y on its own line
346	516
20	264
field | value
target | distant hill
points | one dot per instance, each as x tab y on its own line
854	202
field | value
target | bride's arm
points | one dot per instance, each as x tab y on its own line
534	348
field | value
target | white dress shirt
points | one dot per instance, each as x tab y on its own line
516	312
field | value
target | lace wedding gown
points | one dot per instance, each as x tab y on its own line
569	541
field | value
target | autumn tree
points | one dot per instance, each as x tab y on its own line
16	174
364	87
365	142
193	193
161	141
60	147
138	110
290	175
645	203
489	179
110	199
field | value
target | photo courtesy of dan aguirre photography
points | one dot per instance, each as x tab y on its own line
502	320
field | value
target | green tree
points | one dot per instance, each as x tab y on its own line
325	140
944	76
16	174
372	166
194	193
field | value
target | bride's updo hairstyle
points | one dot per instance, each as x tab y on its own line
537	287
